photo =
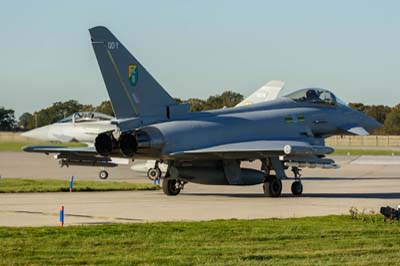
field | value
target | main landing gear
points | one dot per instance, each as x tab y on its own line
272	186
172	187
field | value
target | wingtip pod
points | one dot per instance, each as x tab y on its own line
44	149
27	148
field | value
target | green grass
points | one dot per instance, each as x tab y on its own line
331	240
17	146
365	152
17	185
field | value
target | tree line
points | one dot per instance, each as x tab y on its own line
49	115
388	116
60	110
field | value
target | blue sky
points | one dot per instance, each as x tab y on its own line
201	48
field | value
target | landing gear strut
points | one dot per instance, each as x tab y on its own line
272	186
297	186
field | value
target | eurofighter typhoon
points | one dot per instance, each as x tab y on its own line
208	147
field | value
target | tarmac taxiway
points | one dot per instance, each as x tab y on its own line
362	182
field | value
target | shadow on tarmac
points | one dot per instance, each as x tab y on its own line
385	195
347	178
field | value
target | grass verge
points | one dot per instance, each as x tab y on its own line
331	240
17	146
365	152
16	185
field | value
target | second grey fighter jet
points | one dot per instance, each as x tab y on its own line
209	147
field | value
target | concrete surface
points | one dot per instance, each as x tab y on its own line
31	165
326	192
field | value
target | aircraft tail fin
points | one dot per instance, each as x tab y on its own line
133	91
268	92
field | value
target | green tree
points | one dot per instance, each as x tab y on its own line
56	112
24	121
392	122
196	104
379	112
7	119
357	106
105	107
226	99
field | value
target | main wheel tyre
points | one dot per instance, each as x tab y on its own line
171	187
297	188
273	188
103	174
153	173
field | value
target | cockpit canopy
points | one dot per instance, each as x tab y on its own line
315	95
79	117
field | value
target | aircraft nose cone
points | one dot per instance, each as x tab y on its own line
41	133
371	124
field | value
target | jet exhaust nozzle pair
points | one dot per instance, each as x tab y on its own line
128	143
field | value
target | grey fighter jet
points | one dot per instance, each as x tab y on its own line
80	127
209	147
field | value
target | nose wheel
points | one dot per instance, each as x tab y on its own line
103	174
297	186
153	174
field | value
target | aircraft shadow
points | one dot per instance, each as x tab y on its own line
383	195
376	195
348	178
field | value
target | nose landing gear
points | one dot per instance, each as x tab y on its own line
103	174
297	186
153	174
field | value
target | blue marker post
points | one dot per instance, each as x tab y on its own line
62	216
71	183
156	181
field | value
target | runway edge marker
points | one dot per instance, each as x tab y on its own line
62	216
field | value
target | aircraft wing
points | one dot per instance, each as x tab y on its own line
266	93
61	149
255	149
84	156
